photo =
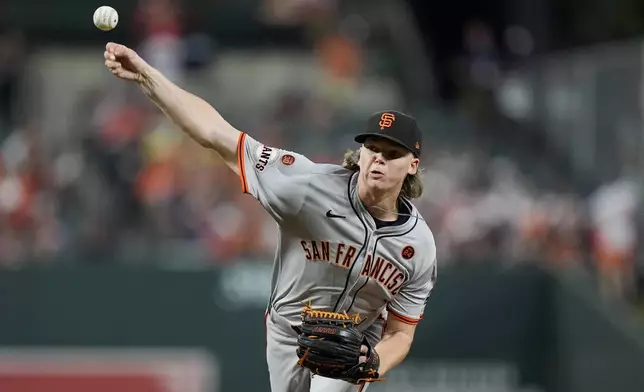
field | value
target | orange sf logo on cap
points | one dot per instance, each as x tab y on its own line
386	120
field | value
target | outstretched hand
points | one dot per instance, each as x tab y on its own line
124	62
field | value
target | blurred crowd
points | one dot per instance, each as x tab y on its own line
134	188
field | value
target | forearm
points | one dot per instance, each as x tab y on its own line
393	349
192	114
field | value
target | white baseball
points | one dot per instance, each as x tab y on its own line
106	18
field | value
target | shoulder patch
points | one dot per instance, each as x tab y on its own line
264	156
288	159
408	252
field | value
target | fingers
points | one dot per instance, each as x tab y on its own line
117	50
123	74
109	56
116	69
111	64
114	55
363	351
114	48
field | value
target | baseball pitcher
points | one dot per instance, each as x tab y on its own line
355	262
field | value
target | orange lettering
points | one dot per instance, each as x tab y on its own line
348	258
377	267
306	250
393	273
338	253
316	251
396	283
367	266
381	278
325	250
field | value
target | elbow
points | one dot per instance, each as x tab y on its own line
404	340
222	141
406	346
203	136
205	141
220	138
403	350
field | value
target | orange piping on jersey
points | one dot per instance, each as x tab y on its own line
404	319
241	166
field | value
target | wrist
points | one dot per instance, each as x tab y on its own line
148	78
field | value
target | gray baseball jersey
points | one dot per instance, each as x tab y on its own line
330	252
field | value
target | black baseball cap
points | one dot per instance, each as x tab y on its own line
398	127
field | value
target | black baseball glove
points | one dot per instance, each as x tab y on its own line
330	345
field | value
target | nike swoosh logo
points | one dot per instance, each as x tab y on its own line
331	215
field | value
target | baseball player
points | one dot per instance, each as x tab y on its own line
349	238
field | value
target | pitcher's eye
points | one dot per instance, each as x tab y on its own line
392	154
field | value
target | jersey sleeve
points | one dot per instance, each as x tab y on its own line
408	305
278	179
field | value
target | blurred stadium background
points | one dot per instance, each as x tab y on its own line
130	260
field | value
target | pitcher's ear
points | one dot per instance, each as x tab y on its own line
413	168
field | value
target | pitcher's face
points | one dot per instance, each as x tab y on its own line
384	165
